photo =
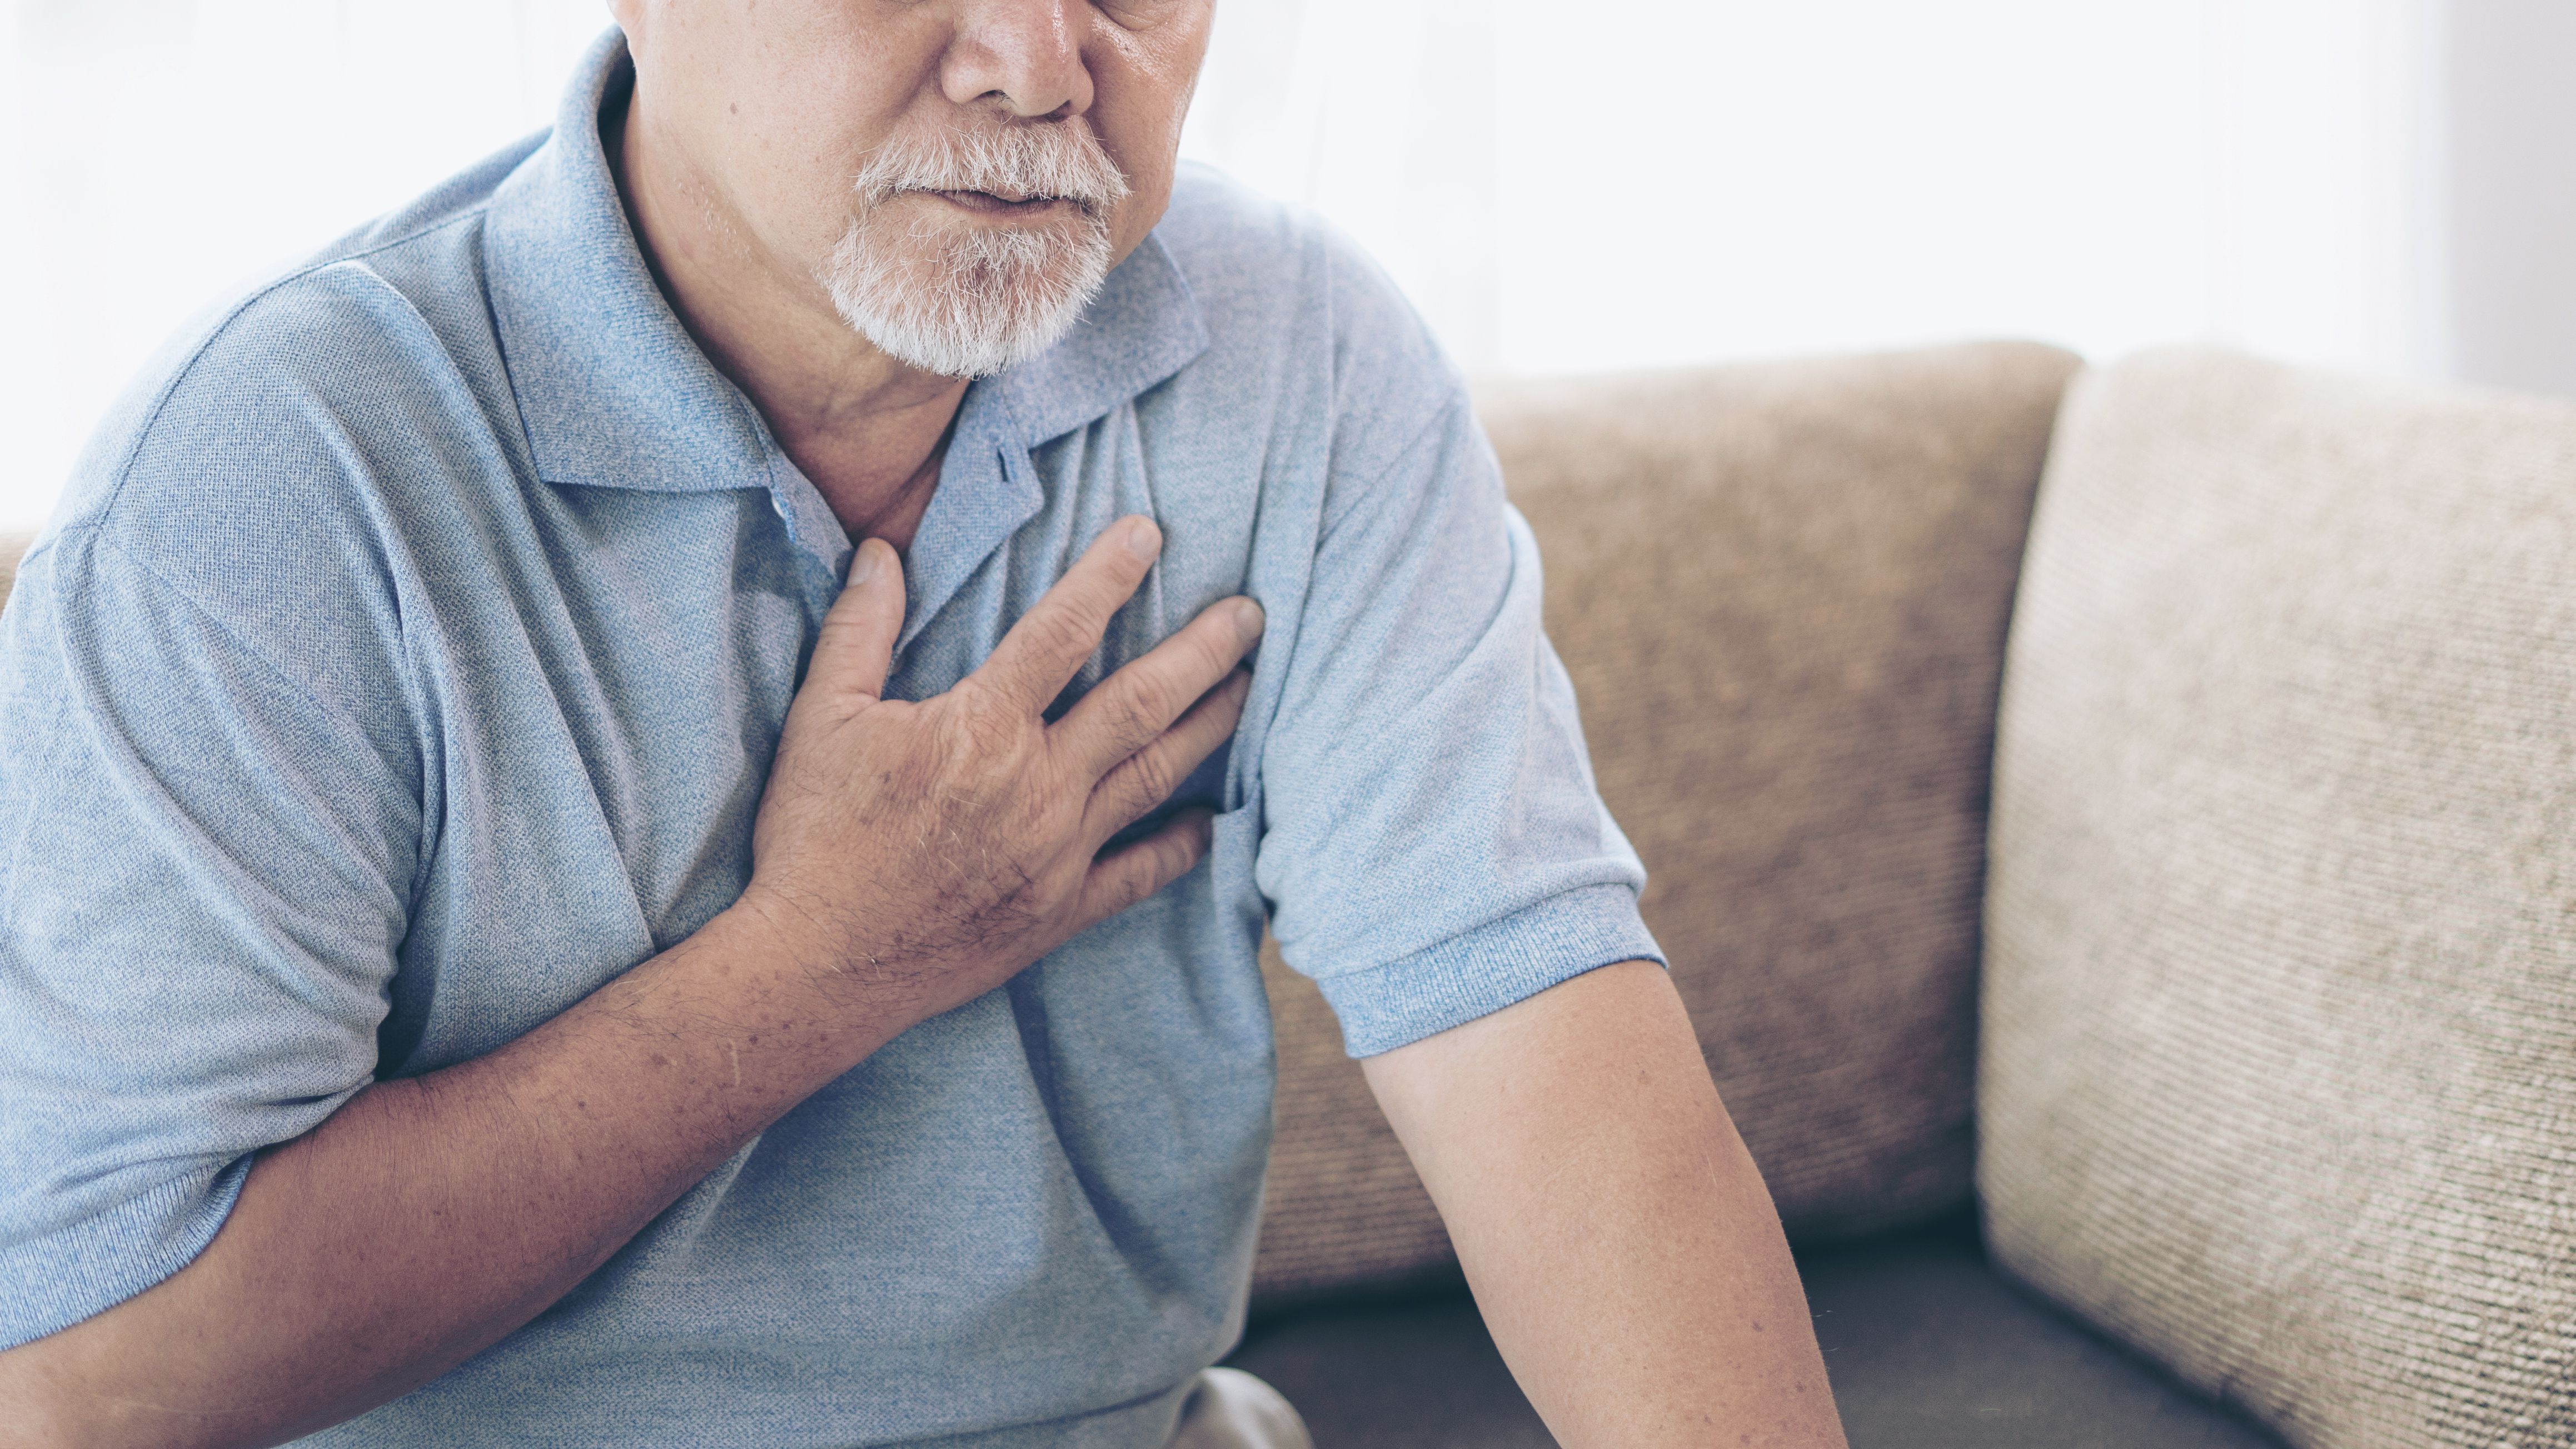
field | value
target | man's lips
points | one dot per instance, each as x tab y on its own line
987	204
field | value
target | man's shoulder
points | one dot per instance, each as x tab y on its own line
262	463
360	360
1217	226
1243	251
365	292
1275	279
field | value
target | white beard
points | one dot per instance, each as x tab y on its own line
961	299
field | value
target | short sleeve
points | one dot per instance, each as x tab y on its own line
204	879
1433	845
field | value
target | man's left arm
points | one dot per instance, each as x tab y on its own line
1619	1240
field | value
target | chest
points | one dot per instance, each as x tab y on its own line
610	691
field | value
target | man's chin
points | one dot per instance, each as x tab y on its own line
970	297
965	335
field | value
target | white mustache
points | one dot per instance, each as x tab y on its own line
1059	160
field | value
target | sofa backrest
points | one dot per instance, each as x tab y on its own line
1781	591
2279	1078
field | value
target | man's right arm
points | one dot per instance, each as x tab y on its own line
429	1217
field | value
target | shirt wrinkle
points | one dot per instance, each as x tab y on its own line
1421	441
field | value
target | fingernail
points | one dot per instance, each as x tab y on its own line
863	564
1247	620
1144	540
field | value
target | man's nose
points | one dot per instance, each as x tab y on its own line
1025	55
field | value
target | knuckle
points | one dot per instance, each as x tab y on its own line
1150	875
1073	625
1114	721
1045	641
1170	692
1147	704
1151	777
980	730
1121	893
836	645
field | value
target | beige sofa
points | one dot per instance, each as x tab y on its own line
2231	1092
2249	1009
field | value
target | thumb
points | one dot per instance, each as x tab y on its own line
856	644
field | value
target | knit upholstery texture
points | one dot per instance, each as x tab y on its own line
1781	590
2278	1073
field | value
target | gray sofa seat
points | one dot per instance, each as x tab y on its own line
1929	1348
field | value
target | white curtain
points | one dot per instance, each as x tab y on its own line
1652	181
1623	183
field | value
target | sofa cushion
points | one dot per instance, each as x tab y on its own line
1781	591
2279	1074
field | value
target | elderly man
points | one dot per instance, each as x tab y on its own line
515	932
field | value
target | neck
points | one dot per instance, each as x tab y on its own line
867	430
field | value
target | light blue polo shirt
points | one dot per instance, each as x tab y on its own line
405	662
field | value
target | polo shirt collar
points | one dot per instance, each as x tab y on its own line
612	390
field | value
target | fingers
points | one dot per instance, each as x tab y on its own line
856	644
1148	777
1133	707
1036	659
1129	874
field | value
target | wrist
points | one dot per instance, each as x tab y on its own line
786	927
812	966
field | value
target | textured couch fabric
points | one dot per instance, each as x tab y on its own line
2279	1074
1781	590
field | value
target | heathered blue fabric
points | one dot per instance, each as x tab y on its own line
405	662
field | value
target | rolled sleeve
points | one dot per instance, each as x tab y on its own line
1434	848
206	879
1488	968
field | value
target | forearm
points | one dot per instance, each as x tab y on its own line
1619	1240
429	1217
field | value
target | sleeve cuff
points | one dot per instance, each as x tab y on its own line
81	1271
1488	968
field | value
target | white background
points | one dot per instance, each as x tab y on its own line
2374	184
